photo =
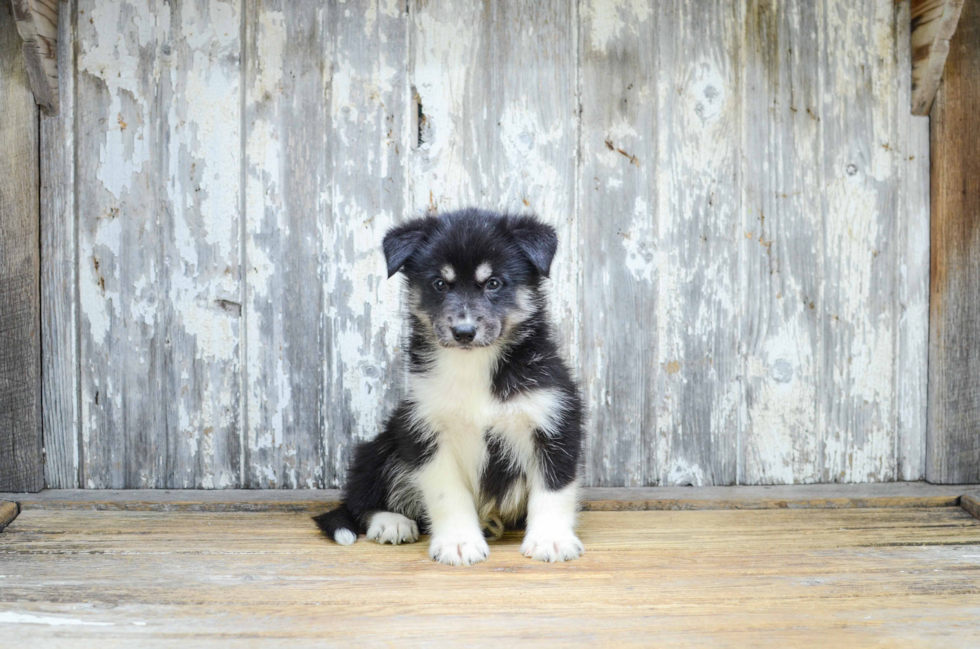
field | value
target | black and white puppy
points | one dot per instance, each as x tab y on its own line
489	435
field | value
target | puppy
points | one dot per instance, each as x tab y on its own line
489	435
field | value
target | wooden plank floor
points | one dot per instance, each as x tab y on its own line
905	576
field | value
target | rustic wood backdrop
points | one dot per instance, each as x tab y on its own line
741	192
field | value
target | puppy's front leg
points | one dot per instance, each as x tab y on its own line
453	521
550	532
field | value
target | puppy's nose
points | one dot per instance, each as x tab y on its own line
464	333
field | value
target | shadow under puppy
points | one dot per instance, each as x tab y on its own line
489	435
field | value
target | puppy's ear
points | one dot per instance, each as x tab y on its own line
403	240
537	240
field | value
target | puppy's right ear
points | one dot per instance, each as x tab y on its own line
403	240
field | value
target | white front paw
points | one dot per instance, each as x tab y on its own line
459	549
388	527
549	545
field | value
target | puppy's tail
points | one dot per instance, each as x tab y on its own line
338	524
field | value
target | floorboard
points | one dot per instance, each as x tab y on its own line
812	496
889	575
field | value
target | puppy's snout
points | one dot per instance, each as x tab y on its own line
464	333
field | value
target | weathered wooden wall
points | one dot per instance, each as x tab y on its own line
739	187
953	451
20	314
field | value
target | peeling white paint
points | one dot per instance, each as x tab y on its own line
114	59
682	473
640	243
609	19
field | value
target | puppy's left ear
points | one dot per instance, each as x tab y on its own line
537	240
403	240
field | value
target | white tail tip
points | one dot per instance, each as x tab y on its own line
344	536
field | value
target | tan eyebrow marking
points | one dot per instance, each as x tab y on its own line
448	273
483	272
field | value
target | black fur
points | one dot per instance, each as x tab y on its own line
499	473
513	317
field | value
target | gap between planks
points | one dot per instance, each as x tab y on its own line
822	496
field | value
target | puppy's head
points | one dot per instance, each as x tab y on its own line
473	276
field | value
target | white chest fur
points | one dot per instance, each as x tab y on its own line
455	400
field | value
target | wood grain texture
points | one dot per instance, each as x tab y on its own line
37	23
933	25
777	577
8	512
700	72
857	306
912	269
818	356
619	216
953	451
369	150
781	243
21	460
159	195
658	207
59	285
326	164
287	206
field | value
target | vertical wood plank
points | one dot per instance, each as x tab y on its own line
497	111
327	128
698	298
159	154
781	243
618	217
450	74
912	267
116	169
59	333
21	462
287	208
370	154
953	449
857	302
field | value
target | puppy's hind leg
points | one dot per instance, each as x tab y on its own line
365	494
389	527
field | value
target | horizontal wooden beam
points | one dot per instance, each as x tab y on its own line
933	24
823	496
37	23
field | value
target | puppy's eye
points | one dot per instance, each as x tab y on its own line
493	284
440	285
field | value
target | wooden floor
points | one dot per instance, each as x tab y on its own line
905	576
